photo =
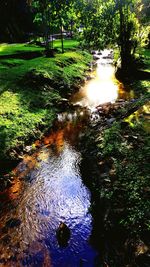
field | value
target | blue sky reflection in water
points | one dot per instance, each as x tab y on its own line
54	193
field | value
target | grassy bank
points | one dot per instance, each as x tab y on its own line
30	91
116	169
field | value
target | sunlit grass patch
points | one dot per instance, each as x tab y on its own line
19	120
128	148
9	49
76	71
68	44
9	103
139	116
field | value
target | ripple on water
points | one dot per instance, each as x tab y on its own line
54	193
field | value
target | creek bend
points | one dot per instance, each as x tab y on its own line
47	189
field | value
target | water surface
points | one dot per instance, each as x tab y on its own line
48	190
103	87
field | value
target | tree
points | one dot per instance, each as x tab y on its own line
15	21
128	28
143	15
42	18
60	9
96	18
48	12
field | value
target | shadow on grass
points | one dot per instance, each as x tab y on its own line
132	74
23	55
142	75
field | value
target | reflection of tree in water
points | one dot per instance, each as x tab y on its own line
63	235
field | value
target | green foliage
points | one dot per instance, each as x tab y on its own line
145	54
20	118
49	15
128	148
144	36
102	23
143	57
97	22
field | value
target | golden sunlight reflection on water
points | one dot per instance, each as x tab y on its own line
104	87
99	92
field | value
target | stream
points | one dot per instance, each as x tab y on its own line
47	193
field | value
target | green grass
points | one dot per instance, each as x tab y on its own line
69	64
18	122
29	90
10	49
68	44
145	53
143	86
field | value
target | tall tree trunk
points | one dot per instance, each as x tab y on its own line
122	32
52	38
125	34
47	29
62	38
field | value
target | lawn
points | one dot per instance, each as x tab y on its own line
68	44
10	49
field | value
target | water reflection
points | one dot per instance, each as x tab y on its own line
125	92
52	192
104	87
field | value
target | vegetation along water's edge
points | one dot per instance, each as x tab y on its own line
116	159
33	91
